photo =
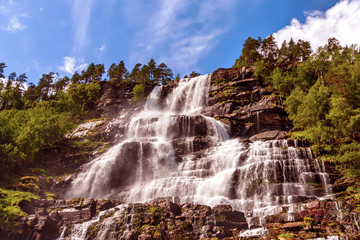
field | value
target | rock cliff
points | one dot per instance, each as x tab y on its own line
250	109
246	104
159	219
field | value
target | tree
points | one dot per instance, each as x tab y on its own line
2	66
76	78
118	73
60	85
304	50
44	86
82	97
333	47
99	71
31	96
194	74
89	73
177	77
283	81
11	94
138	93
135	73
151	69
249	53
269	49
163	73
283	53
24	133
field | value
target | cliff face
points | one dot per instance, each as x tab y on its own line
250	109
165	219
159	219
247	105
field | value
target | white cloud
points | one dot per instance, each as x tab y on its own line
185	53
99	51
12	14
5	6
342	21
183	31
71	65
81	15
15	24
102	48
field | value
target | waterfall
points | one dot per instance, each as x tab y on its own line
174	151
148	151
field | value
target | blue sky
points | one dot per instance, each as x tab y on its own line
38	36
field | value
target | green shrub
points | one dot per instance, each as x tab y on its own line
138	93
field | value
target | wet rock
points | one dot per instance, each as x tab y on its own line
245	104
105	204
268	135
160	219
83	129
314	204
113	99
183	146
325	218
26	206
188	126
292	225
226	217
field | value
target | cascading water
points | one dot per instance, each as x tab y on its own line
174	151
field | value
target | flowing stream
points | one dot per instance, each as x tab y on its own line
171	150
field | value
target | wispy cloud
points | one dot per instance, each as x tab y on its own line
71	65
183	31
12	14
15	24
342	21
81	15
99	51
5	6
102	48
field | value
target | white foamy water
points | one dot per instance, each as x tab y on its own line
174	151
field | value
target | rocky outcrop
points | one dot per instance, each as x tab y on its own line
243	102
165	219
252	111
317	219
160	219
113	99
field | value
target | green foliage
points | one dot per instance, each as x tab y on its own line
293	102
323	100
139	93
37	118
321	92
348	158
118	73
249	52
219	81
10	212
262	69
155	209
9	209
24	133
151	74
81	97
2	66
309	221
283	81
286	236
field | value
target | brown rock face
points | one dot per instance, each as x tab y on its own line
160	219
316	219
243	102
